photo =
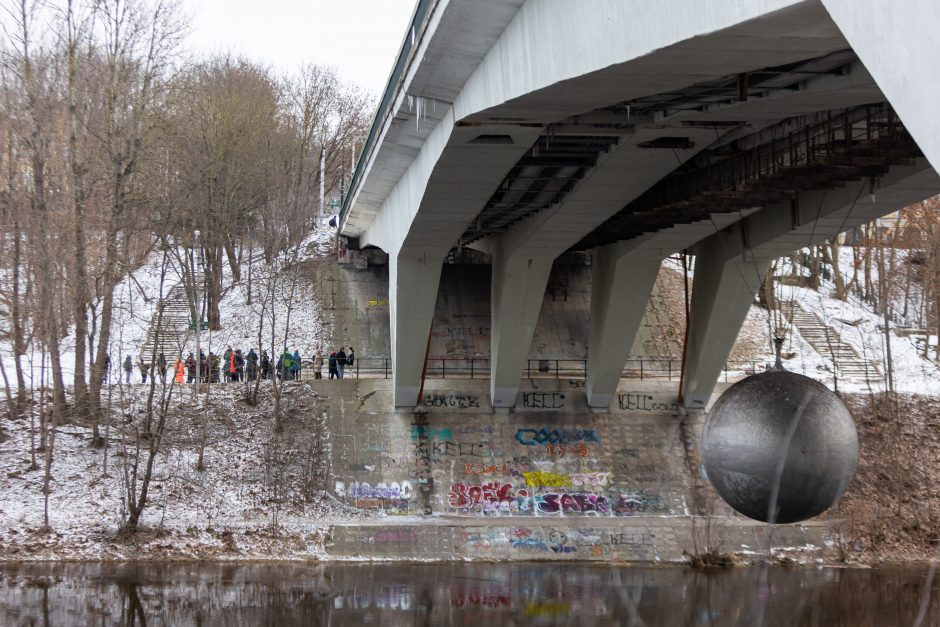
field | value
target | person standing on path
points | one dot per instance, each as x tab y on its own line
265	365
332	365
251	364
179	370
161	366
318	365
341	362
239	365
350	358
128	369
295	365
144	369
190	369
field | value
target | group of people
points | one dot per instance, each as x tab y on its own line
336	363
233	366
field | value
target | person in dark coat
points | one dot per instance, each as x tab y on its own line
215	366
190	369
350	358
341	362
251	364
239	366
332	365
161	367
265	365
144	369
228	360
128	369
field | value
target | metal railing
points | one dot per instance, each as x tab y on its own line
640	368
412	37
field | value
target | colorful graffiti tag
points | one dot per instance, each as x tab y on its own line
538	479
576	503
535	437
492	495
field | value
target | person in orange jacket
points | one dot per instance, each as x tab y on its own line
179	369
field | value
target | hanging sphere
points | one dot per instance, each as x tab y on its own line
779	436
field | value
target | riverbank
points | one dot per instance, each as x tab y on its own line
348	479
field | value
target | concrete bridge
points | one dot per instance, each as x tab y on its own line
737	131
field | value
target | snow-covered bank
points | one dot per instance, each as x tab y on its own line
260	497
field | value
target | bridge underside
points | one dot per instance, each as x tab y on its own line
740	136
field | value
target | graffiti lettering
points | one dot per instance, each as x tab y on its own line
377	302
356	490
493	494
534	545
560	450
578	503
538	479
638	502
532	437
485	469
543	400
460	401
635	540
590	478
644	402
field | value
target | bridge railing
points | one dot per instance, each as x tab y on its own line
388	100
640	368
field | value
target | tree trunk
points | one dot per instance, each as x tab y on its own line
836	269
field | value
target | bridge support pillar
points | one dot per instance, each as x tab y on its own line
622	279
412	295
519	282
723	290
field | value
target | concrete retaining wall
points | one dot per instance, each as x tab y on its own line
549	480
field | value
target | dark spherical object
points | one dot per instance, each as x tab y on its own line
779	437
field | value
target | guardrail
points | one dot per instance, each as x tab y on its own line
551	368
412	37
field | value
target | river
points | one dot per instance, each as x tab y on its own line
474	594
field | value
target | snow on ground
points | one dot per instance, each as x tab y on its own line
863	329
257	484
136	298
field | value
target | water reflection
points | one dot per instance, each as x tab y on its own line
460	594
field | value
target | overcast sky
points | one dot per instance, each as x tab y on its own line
360	38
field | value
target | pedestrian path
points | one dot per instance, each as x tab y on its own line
847	363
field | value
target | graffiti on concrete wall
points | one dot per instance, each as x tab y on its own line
487	469
453	401
492	496
573	503
381	490
645	403
590	478
636	502
418	431
563	450
543	400
546	435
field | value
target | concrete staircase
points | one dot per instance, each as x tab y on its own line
173	333
848	364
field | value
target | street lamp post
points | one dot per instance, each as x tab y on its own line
197	322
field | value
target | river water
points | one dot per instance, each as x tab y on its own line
475	594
